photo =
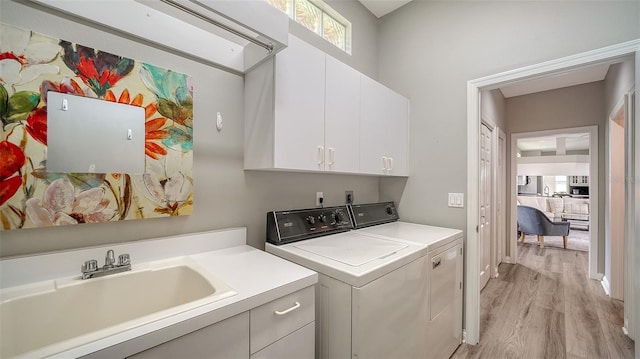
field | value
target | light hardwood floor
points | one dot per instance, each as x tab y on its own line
546	307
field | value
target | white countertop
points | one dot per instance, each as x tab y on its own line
257	277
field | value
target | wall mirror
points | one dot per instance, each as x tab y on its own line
88	135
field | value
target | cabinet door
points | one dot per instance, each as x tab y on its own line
297	345
397	118
372	127
342	117
383	130
228	339
299	107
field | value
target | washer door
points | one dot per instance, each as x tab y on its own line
390	315
353	250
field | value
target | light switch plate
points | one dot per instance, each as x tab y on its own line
456	200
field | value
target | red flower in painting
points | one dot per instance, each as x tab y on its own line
11	160
153	131
99	70
69	86
37	125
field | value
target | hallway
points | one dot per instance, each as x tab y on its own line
546	307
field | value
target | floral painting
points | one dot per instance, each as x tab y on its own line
32	64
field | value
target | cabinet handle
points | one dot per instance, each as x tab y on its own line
384	164
332	156
390	161
320	155
295	306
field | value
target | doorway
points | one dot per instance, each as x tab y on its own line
474	87
561	161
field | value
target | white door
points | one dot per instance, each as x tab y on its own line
485	205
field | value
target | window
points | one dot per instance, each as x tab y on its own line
318	17
561	184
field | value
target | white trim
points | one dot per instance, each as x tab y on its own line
631	306
472	291
594	209
608	204
606	286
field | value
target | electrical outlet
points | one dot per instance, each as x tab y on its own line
319	199
348	197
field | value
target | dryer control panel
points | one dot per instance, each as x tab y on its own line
371	214
296	225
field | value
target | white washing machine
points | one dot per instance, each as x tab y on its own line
373	291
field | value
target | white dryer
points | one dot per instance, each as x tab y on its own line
444	275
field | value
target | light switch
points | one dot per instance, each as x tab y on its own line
456	200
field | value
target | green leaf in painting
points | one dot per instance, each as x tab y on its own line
4	101
182	115
20	104
178	138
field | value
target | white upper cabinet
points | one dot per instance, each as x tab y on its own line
284	110
306	111
342	117
384	130
299	107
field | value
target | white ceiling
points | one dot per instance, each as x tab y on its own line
574	141
571	78
382	7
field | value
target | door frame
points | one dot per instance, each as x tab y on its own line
501	200
610	284
472	259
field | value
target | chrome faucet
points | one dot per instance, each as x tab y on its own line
90	268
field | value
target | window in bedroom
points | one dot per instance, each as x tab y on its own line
561	184
318	17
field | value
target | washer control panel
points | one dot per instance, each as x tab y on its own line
295	225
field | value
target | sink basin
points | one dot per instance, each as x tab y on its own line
59	315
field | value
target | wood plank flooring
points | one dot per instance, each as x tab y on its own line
546	307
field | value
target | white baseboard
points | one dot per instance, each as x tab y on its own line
606	286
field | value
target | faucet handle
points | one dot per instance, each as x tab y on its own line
90	266
124	259
110	259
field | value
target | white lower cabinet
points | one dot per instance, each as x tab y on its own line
283	328
297	345
273	321
228	339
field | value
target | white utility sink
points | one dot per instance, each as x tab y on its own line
46	318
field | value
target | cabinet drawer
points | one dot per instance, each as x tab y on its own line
274	320
297	345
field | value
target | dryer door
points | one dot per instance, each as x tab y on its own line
445	297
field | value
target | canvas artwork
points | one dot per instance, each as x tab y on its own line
32	64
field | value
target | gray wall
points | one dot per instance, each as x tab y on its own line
428	50
224	194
